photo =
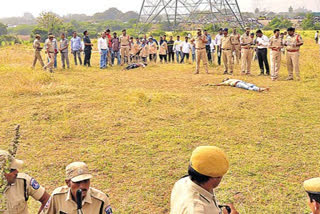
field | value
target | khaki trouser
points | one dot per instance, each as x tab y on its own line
227	60
237	52
201	54
51	62
293	63
275	57
124	53
37	56
246	58
65	59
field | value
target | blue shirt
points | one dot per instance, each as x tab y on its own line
209	39
76	43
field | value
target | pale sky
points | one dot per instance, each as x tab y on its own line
62	7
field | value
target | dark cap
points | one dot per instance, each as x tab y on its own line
226	29
259	31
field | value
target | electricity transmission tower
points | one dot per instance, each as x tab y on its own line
182	14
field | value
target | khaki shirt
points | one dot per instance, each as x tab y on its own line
37	45
15	194
235	38
152	48
199	43
50	45
135	47
245	40
226	42
275	43
292	41
163	48
145	51
189	198
124	40
61	202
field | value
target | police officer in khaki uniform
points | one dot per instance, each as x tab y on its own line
194	193
246	43
124	46
312	187
293	42
51	53
20	187
64	201
201	54
275	45
144	53
37	49
235	37
227	49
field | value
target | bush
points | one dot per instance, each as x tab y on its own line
9	40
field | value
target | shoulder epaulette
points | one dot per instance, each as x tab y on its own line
23	176
97	194
60	190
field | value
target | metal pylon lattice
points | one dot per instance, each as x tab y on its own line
182	13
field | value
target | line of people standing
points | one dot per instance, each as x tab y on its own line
230	49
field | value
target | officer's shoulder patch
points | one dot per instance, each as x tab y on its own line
97	194
35	185
108	210
60	190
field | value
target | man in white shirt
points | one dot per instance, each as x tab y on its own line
103	50
185	49
217	41
177	48
213	49
316	37
263	43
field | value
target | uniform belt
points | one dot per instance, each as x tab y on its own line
51	52
293	50
104	49
124	45
245	48
224	49
200	48
275	49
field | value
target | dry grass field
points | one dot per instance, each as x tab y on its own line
136	129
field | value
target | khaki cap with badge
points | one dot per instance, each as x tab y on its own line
15	163
77	171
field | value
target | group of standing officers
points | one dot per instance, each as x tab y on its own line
230	48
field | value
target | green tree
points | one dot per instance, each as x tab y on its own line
50	21
307	23
3	29
41	31
280	23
